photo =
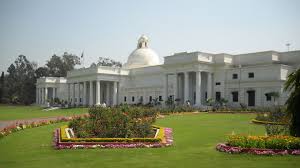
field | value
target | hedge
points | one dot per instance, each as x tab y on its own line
159	137
264	142
267	122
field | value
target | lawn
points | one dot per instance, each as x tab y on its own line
8	112
195	135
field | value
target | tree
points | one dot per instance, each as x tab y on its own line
21	81
59	66
55	66
42	72
107	62
93	65
69	62
293	106
1	86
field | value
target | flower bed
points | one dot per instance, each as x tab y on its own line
18	126
267	122
236	150
261	145
163	139
159	137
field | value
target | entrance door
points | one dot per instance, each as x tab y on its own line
251	98
218	96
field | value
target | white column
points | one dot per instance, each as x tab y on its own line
107	93
91	93
53	93
186	87
42	96
73	94
198	88
176	87
78	94
98	97
145	97
209	85
69	94
166	88
115	93
84	94
37	96
46	95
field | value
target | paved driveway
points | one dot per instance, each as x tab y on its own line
4	124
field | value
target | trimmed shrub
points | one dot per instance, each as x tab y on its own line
116	122
159	138
262	142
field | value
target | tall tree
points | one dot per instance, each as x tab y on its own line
59	66
293	105
42	72
69	62
1	86
55	66
21	81
107	62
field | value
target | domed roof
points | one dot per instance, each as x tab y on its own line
142	56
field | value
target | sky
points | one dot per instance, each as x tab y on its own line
40	28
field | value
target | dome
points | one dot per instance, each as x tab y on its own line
142	56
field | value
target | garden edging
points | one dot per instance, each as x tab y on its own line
222	147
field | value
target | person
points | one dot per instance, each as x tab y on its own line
188	103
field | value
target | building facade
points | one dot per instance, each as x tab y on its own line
250	79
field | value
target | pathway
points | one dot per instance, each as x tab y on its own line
4	124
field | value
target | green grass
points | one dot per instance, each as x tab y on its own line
26	112
195	139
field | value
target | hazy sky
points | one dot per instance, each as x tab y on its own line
41	28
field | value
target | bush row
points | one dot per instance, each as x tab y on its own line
177	109
159	137
116	122
267	122
264	142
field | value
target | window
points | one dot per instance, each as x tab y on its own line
218	83
250	75
125	98
132	99
205	95
150	98
218	96
268	97
234	76
160	98
235	96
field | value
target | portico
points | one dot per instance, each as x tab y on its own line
48	89
93	92
189	86
94	86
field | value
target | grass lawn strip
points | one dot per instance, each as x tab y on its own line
195	137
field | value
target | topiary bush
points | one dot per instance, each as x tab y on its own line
262	142
117	122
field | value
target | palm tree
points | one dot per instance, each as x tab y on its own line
293	103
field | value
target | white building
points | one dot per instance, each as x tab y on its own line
196	76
